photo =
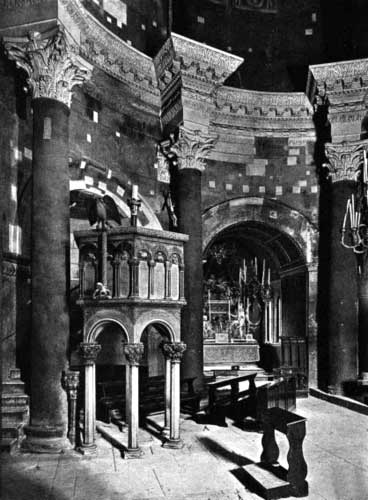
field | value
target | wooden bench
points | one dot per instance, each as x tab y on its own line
280	393
222	403
270	480
111	400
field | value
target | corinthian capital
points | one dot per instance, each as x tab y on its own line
174	350
51	62
345	159
192	147
89	352
133	353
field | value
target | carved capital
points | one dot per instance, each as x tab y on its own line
51	62
71	383
174	350
192	147
89	352
134	353
345	159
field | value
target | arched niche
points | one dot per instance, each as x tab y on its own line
290	240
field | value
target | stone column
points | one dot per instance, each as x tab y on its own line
53	68
133	354
190	150
342	287
174	351
71	381
166	429
89	353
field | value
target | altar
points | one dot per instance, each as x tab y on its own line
236	316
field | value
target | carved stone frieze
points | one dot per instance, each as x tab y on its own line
200	66
283	105
134	353
345	159
340	76
51	62
192	147
174	350
89	352
114	56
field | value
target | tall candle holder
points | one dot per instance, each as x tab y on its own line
354	230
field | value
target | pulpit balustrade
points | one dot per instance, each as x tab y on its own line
134	265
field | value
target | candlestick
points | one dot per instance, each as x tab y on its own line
135	192
345	217
352	209
244	271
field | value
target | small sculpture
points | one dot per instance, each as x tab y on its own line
101	292
168	204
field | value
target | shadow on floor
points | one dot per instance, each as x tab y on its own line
217	449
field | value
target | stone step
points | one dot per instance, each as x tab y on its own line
9	432
11	437
9	445
12	386
12	399
14	374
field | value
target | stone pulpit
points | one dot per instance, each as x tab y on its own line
132	277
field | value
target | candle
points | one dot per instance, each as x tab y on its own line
256	266
135	192
352	211
244	271
345	217
269	276
263	271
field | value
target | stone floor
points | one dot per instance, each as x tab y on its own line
207	468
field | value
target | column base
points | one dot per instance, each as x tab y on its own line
88	450
175	444
166	432
42	439
132	453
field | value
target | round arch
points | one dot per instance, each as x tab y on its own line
96	328
167	328
272	213
295	228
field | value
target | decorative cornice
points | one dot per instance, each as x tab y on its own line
339	76
281	105
174	351
191	148
89	352
114	56
134	353
345	159
193	59
52	63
